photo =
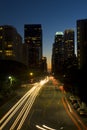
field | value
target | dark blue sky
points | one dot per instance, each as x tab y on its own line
54	15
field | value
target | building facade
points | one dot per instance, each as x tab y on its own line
57	53
82	43
69	45
10	43
33	38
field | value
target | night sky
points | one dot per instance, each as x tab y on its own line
54	15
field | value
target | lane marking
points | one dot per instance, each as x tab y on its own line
49	128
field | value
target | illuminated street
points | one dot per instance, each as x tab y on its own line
50	110
20	109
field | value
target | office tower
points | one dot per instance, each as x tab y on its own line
82	43
69	47
43	64
57	53
10	43
33	39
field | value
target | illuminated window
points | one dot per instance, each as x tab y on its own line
28	41
1	37
1	28
34	38
9	45
0	51
9	53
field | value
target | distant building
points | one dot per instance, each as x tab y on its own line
82	43
25	54
70	60
69	45
43	64
33	38
10	43
57	53
63	51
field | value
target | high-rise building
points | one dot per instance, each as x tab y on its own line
82	43
43	64
33	38
57	52
69	47
10	43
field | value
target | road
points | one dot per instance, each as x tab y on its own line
42	107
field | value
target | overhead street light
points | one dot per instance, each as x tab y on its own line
10	78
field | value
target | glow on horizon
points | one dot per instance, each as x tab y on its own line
45	12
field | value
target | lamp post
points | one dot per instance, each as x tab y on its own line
31	77
31	74
10	78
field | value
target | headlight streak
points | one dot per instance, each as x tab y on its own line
23	98
28	108
15	108
28	99
20	114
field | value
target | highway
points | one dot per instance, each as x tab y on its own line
21	109
43	107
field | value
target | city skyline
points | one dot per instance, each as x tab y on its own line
54	16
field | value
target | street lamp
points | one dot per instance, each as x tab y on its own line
10	78
31	74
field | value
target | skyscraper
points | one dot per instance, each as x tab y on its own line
63	51
10	43
57	53
82	43
33	38
69	47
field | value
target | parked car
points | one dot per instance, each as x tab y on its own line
76	105
82	112
74	99
71	97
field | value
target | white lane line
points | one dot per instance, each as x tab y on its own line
41	128
49	128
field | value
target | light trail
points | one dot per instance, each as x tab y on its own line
24	105
24	109
28	108
8	113
77	117
71	115
15	108
20	114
